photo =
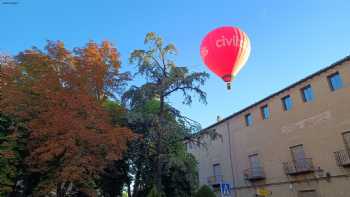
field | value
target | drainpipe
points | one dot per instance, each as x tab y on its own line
229	143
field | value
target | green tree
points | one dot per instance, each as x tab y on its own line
117	113
116	175
154	192
13	137
166	127
180	173
8	157
178	167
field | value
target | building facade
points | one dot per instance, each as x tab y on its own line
294	143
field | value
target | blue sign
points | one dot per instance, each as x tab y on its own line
225	189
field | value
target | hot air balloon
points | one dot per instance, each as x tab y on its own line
225	50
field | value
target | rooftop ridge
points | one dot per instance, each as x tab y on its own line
347	58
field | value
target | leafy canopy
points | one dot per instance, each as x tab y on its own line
164	128
59	95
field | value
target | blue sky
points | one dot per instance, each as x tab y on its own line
290	39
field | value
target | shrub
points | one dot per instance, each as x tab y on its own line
154	192
205	191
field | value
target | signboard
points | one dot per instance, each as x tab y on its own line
263	192
225	189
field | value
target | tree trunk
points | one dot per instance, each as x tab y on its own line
129	190
59	192
158	176
136	183
158	170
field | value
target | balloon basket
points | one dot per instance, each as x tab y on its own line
228	85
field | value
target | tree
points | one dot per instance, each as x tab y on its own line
180	175
116	175
13	138
163	78
15	180
154	193
59	94
10	155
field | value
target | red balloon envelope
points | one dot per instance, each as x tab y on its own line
225	50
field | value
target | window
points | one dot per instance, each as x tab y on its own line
287	103
307	94
300	162
335	81
248	119
298	152
217	169
254	161
265	112
346	137
307	193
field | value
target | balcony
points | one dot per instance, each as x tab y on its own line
343	158
215	180
254	174
300	166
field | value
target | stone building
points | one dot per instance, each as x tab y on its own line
293	143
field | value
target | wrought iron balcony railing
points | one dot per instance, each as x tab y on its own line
343	158
298	166
254	174
215	180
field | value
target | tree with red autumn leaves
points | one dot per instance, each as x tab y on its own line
59	95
